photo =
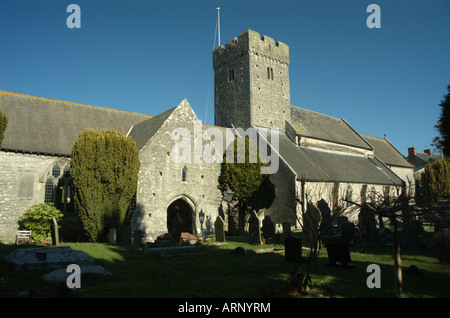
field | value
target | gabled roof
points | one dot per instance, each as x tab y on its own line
143	131
318	126
386	152
321	166
42	125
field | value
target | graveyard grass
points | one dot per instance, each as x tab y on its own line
218	273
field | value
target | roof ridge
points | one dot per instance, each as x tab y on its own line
2	92
312	111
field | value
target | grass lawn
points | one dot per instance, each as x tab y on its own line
218	273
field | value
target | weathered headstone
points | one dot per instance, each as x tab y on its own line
254	229
340	220
338	254
367	225
125	236
286	228
293	249
55	232
442	240
176	230
311	223
348	232
268	227
219	226
409	235
112	236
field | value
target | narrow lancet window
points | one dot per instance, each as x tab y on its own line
184	174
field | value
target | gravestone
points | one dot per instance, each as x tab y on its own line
293	249
286	228
268	227
338	254
348	232
367	225
55	232
442	240
219	226
311	223
340	220
54	257
176	230
112	236
125	236
254	229
409	235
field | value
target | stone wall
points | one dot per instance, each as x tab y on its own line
22	184
160	177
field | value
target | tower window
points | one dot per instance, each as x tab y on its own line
270	73
231	74
184	174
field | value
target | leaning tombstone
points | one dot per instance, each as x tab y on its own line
268	227
254	229
311	223
219	227
55	232
176	230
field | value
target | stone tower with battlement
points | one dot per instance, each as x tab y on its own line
251	82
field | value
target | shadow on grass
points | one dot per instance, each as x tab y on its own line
219	273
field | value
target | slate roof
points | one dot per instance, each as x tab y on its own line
321	166
387	153
48	126
318	126
143	131
422	159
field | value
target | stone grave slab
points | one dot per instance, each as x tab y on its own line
53	257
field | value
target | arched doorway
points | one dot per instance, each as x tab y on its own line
184	209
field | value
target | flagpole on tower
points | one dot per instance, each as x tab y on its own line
218	22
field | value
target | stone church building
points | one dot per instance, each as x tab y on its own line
317	156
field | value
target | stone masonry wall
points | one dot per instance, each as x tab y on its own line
160	178
21	186
251	78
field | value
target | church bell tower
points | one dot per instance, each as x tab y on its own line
251	82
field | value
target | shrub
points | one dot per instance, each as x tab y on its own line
436	180
104	166
38	219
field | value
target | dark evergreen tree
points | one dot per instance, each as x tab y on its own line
252	189
443	126
105	166
435	181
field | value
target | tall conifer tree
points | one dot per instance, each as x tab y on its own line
105	166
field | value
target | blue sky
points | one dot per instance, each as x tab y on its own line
146	56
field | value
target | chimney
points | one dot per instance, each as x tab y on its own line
412	155
427	151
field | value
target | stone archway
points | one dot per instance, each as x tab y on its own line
186	212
